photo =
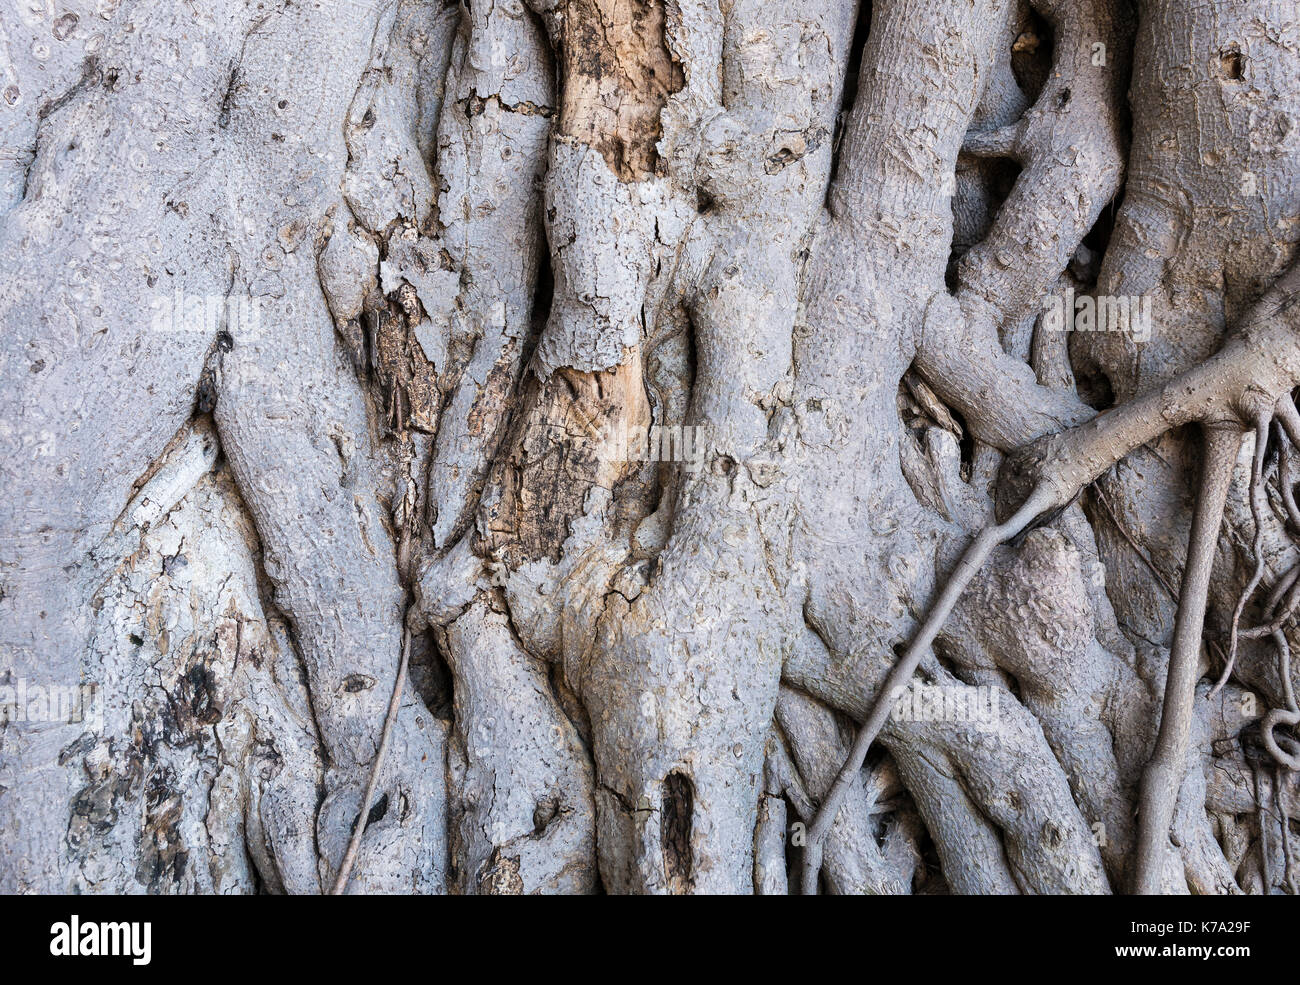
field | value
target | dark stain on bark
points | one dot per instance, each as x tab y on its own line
407	381
163	858
675	831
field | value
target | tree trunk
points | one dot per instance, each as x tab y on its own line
574	446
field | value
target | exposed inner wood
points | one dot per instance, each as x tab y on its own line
569	444
618	73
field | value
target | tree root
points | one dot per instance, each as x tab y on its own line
1257	546
359	827
902	672
1246	379
1164	773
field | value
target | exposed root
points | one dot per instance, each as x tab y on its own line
971	562
1280	796
1257	507
1164	773
363	813
1290	715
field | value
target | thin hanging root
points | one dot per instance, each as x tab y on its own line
1286	590
1285	587
1257	548
345	868
1289	418
1286	479
1266	805
1040	500
1290	715
1289	421
1164	773
395	702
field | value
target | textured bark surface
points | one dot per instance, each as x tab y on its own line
631	446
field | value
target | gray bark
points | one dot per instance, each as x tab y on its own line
505	447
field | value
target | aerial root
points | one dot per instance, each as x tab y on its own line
1163	776
354	843
1281	796
1289	715
1257	506
1039	500
1284	599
